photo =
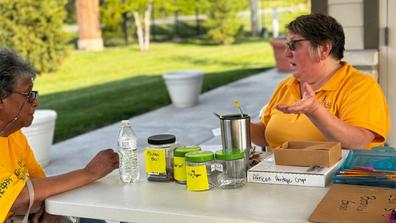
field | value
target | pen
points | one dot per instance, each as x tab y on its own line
392	217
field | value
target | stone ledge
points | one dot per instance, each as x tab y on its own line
364	60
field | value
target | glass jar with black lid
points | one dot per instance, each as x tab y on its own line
159	157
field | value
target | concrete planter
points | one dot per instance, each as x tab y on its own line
184	87
40	134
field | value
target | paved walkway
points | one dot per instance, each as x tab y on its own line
191	126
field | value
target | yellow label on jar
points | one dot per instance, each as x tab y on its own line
179	168
155	160
197	178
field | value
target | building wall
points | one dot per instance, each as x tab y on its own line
387	60
350	14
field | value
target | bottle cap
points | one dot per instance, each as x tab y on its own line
125	122
199	156
182	150
220	155
161	139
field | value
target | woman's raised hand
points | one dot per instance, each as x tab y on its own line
307	105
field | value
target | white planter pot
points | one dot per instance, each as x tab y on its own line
184	87
40	134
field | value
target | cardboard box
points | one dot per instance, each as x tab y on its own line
352	203
308	153
267	172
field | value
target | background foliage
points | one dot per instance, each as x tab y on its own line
223	22
35	30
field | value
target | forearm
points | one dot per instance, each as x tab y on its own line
336	130
257	134
49	186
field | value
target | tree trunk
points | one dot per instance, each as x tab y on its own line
125	20
197	23
139	28
255	17
90	35
147	22
143	26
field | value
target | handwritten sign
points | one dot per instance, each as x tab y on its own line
155	161
197	178
352	203
179	168
292	179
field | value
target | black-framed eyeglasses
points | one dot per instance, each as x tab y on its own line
292	43
31	95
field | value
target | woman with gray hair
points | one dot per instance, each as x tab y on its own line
325	98
23	184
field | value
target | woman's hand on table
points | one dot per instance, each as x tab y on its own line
102	164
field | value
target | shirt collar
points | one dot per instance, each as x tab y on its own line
334	82
331	85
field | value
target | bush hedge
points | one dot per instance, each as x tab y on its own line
34	29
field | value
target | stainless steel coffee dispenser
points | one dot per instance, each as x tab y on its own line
235	133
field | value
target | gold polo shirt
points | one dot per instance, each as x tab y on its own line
16	164
352	96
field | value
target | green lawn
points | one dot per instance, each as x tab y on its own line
94	89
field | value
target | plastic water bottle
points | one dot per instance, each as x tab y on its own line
127	151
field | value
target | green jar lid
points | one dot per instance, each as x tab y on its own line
182	150
199	156
233	156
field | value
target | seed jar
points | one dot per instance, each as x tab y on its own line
158	157
179	162
200	171
233	173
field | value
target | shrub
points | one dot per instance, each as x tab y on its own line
34	29
223	21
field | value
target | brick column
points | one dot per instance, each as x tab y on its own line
90	36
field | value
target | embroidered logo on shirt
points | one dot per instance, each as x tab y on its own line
326	103
21	171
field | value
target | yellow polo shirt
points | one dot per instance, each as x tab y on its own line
354	97
17	163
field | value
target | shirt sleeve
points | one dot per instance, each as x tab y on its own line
365	106
34	168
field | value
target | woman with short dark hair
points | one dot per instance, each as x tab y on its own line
325	99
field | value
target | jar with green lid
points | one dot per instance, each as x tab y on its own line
200	171
159	157
233	173
179	162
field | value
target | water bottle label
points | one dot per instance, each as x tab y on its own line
197	178
155	161
179	168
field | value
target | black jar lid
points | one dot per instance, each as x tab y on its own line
161	139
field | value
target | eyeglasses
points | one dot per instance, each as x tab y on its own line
31	95
292	44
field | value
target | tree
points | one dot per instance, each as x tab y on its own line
115	18
35	30
223	21
115	11
192	7
255	17
89	30
141	11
